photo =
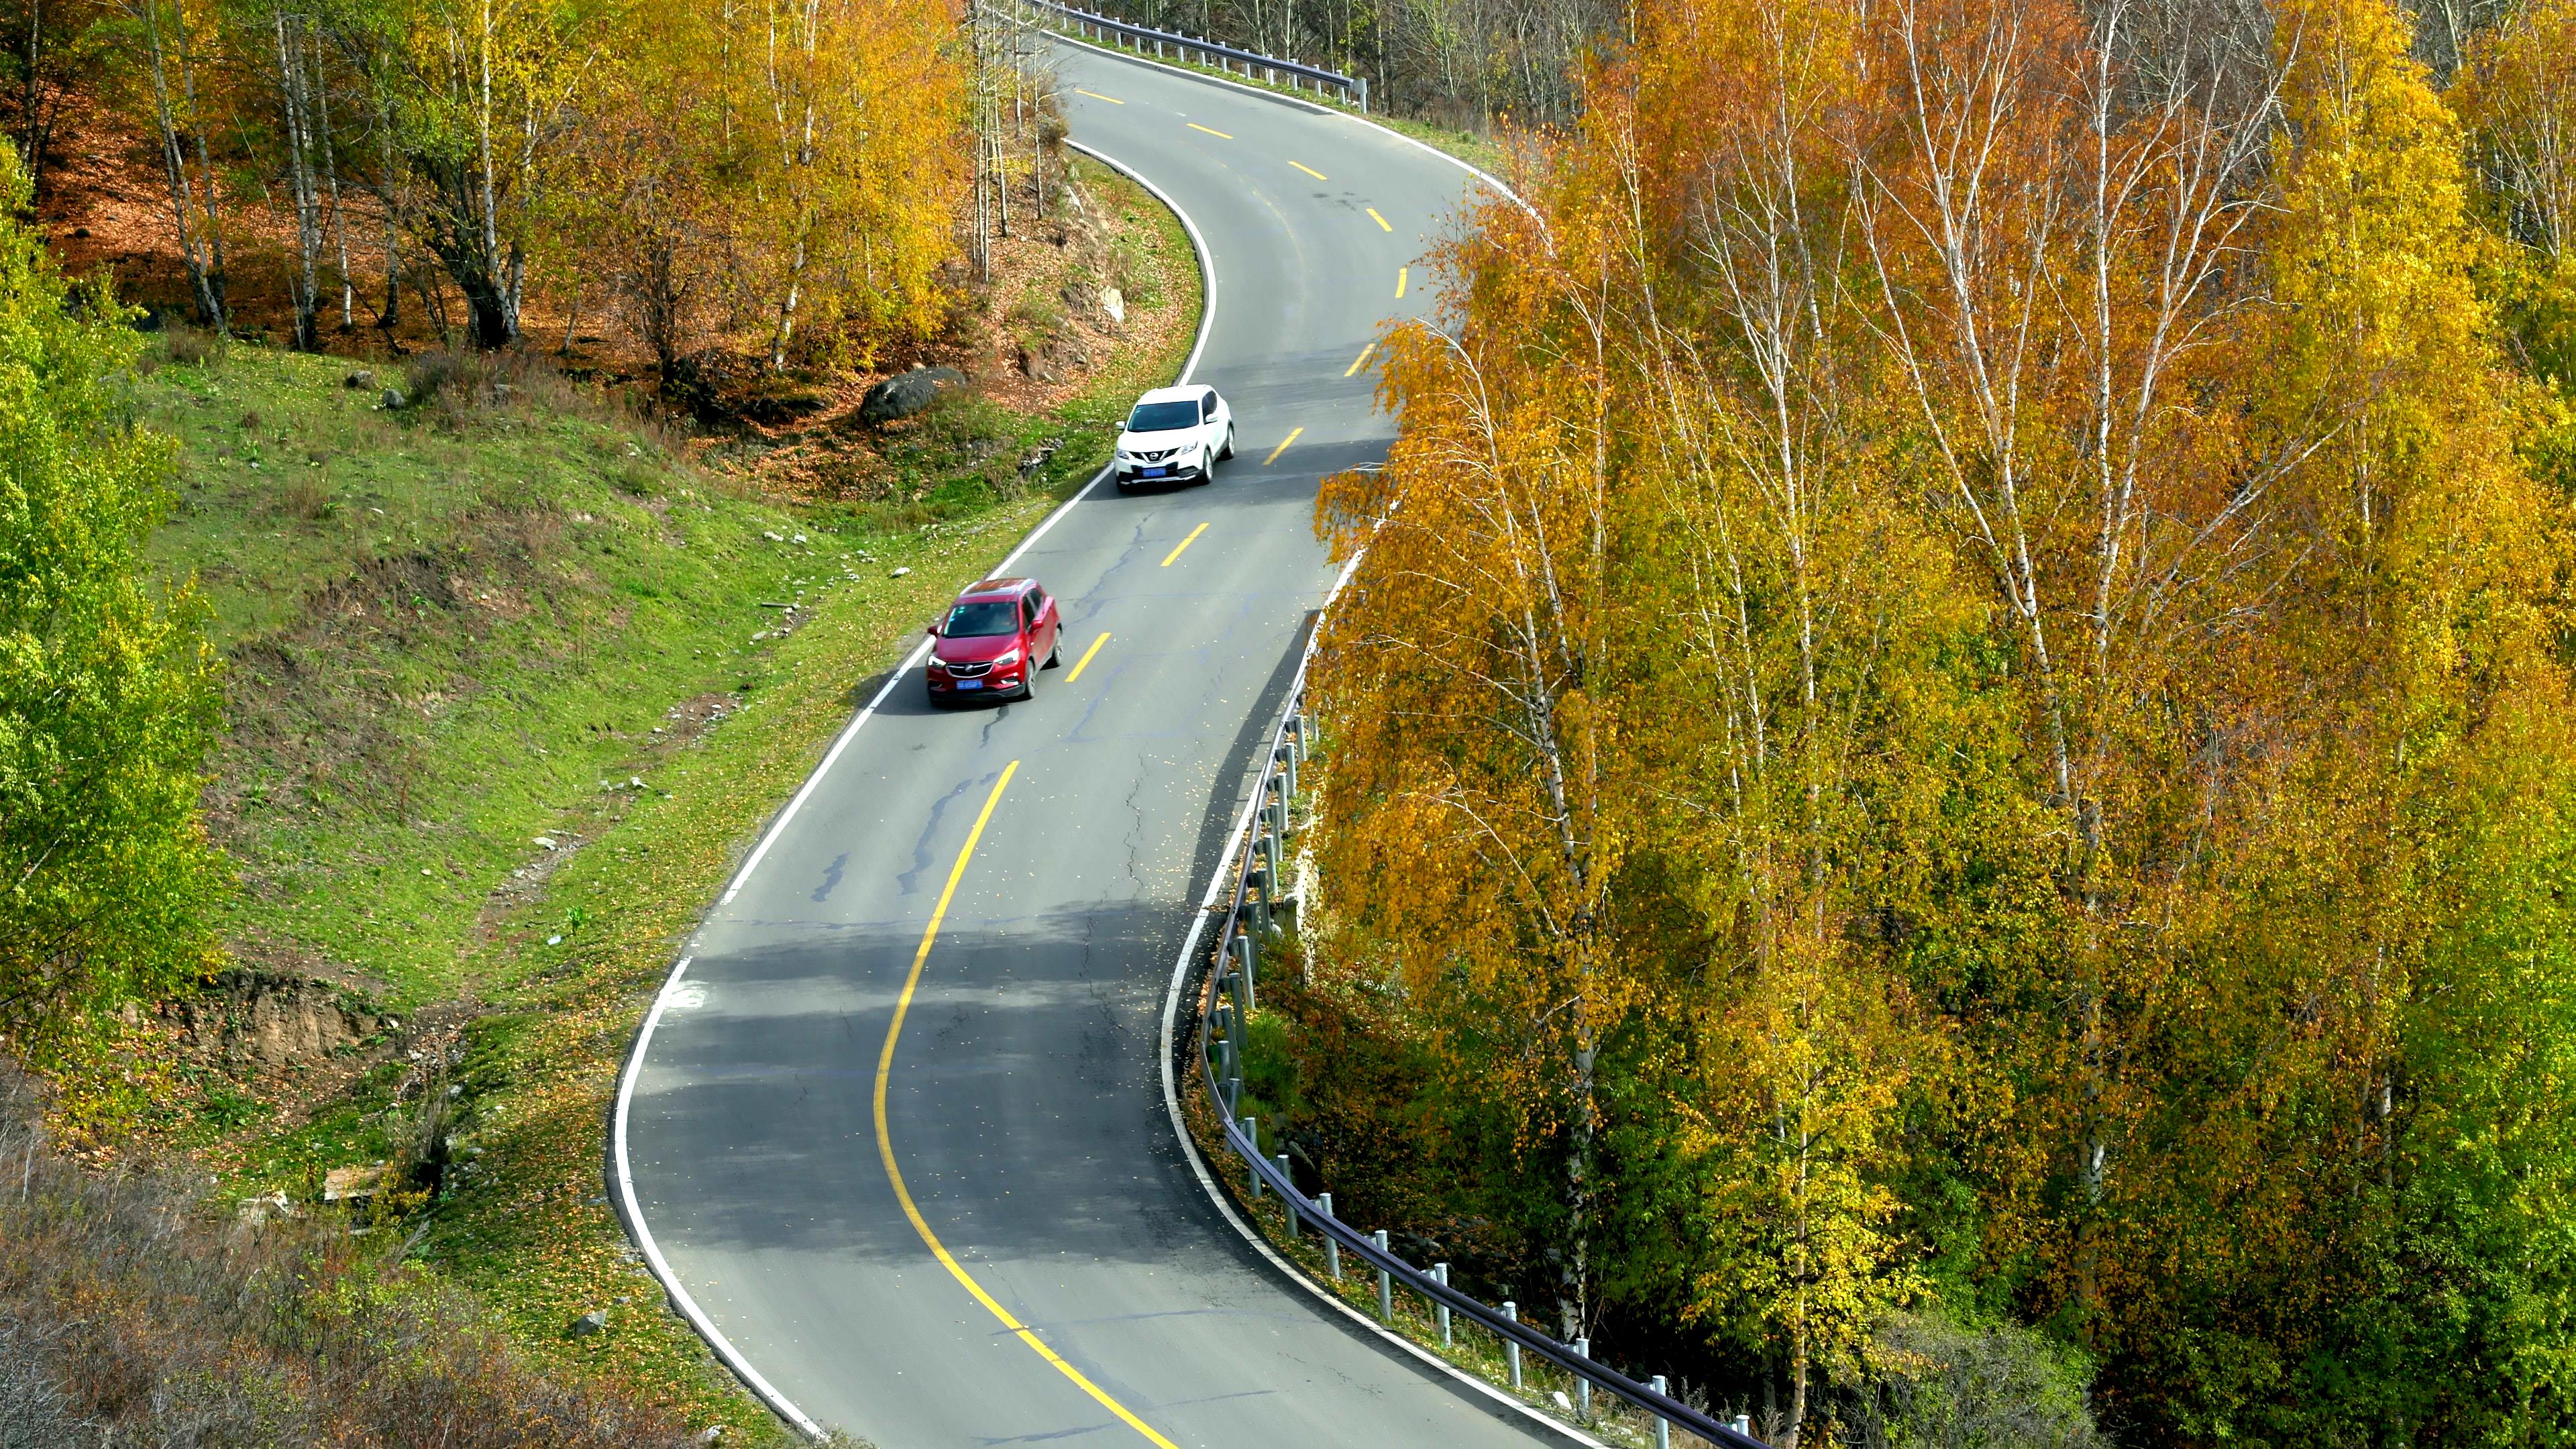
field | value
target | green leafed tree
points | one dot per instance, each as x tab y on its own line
108	694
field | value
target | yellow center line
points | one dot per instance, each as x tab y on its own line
1085	661
1211	130
1309	170
1400	274
885	1139
1282	448
1356	364
1097	96
1184	543
1381	221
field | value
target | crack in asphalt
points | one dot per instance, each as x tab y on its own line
831	878
909	882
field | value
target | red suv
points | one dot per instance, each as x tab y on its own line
992	640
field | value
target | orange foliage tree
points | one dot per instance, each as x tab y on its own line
1950	601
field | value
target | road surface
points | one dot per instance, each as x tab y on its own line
1018	879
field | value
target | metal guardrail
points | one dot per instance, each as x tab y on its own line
1174	45
1228	991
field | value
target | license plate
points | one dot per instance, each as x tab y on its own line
970	684
1152	473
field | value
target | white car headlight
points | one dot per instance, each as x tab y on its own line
1007	656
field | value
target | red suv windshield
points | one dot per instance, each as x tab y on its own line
982	619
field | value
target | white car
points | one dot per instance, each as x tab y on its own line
1176	434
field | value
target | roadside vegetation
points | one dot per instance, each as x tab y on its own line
495	675
128	1311
1953	731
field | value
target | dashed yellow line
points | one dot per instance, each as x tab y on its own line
1184	543
894	1172
1282	448
1400	274
1360	361
1097	96
1084	662
1309	170
1213	131
1381	221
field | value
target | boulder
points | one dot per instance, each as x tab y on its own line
352	1184
905	394
359	381
589	1323
1113	305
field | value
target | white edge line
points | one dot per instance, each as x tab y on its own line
1169	1043
680	1298
1472	169
633	1208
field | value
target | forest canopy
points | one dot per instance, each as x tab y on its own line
1958	700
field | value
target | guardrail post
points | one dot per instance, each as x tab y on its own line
1663	1426
1271	810
1582	1385
1241	945
1332	1245
1440	1310
1290	1201
1252	1135
1363	80
1512	1346
1743	1425
1385	1283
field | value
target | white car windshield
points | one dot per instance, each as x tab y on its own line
1163	417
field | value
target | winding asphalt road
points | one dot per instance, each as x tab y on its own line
979	1229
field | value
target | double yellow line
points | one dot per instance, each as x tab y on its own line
894	1171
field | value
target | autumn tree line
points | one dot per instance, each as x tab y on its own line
1958	710
1469	63
783	176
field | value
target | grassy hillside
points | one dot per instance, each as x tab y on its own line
514	680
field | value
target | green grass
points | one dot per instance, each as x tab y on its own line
456	630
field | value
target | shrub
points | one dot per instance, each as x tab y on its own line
108	693
1938	1385
191	348
1134	274
431	376
306	495
130	1314
1036	314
